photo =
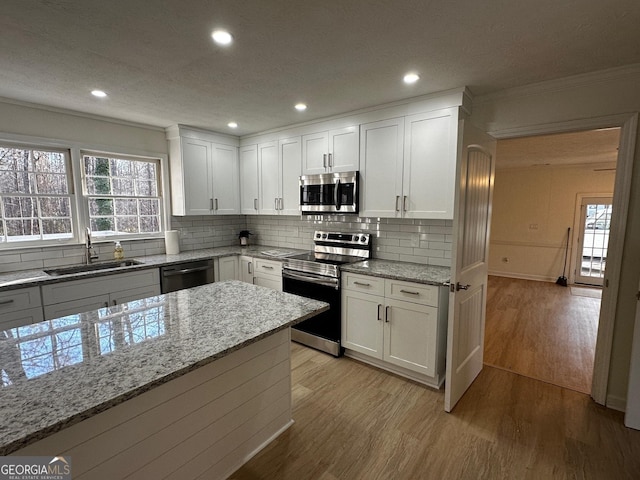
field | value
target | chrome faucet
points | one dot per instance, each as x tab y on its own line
90	252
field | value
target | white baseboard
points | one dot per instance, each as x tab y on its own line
616	403
523	276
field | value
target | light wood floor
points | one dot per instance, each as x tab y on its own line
542	331
353	421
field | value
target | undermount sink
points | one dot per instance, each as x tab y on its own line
92	267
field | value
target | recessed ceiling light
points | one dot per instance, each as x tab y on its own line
98	93
222	37
301	107
411	78
232	125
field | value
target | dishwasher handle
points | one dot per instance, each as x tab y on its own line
170	273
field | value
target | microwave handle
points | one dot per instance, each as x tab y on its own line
336	195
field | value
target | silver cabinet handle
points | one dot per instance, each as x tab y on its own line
324	160
409	292
275	203
281	201
397	200
268	267
459	286
379	306
255	204
362	284
249	268
387	316
6	302
211	204
330	158
106	304
216	204
404	203
114	303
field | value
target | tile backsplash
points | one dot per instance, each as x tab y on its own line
420	241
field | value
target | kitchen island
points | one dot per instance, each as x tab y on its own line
179	385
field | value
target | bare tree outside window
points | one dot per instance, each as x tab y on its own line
123	195
35	199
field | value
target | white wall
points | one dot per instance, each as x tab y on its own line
583	97
532	208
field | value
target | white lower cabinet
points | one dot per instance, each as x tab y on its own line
77	296
20	307
396	325
266	273
226	268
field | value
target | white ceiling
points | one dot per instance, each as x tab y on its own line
158	63
591	148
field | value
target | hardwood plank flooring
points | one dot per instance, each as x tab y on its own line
542	331
353	421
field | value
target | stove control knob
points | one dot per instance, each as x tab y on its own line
324	236
356	238
317	235
363	239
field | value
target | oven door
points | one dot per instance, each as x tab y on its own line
322	331
331	192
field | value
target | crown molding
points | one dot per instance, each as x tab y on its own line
75	113
560	84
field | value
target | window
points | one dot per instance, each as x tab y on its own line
35	194
123	194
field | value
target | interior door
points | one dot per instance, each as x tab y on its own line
469	263
632	415
593	240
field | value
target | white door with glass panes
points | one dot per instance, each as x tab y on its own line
248	158
592	241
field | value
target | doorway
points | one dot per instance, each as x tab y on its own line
534	327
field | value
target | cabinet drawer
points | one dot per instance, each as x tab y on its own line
363	283
267	267
412	292
21	299
90	287
21	318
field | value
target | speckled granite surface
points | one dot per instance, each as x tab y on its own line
410	272
30	278
59	372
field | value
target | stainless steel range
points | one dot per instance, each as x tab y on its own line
317	275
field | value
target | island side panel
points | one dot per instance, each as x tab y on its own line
212	419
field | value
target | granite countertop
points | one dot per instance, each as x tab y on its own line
30	278
102	358
410	272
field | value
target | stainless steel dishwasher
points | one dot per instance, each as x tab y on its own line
186	275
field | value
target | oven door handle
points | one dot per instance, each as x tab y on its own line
304	277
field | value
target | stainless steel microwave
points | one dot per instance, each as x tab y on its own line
329	193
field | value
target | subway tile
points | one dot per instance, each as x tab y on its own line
27	257
413	259
442	262
9	258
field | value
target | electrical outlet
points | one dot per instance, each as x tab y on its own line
533	226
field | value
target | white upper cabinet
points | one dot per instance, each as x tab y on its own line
279	171
381	161
204	173
429	177
269	177
331	151
408	166
249	179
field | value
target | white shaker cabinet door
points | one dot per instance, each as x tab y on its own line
269	177
249	179
198	177
430	165
226	184
315	153
362	327
381	159
344	149
290	165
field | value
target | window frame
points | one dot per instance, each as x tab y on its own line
71	195
85	196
